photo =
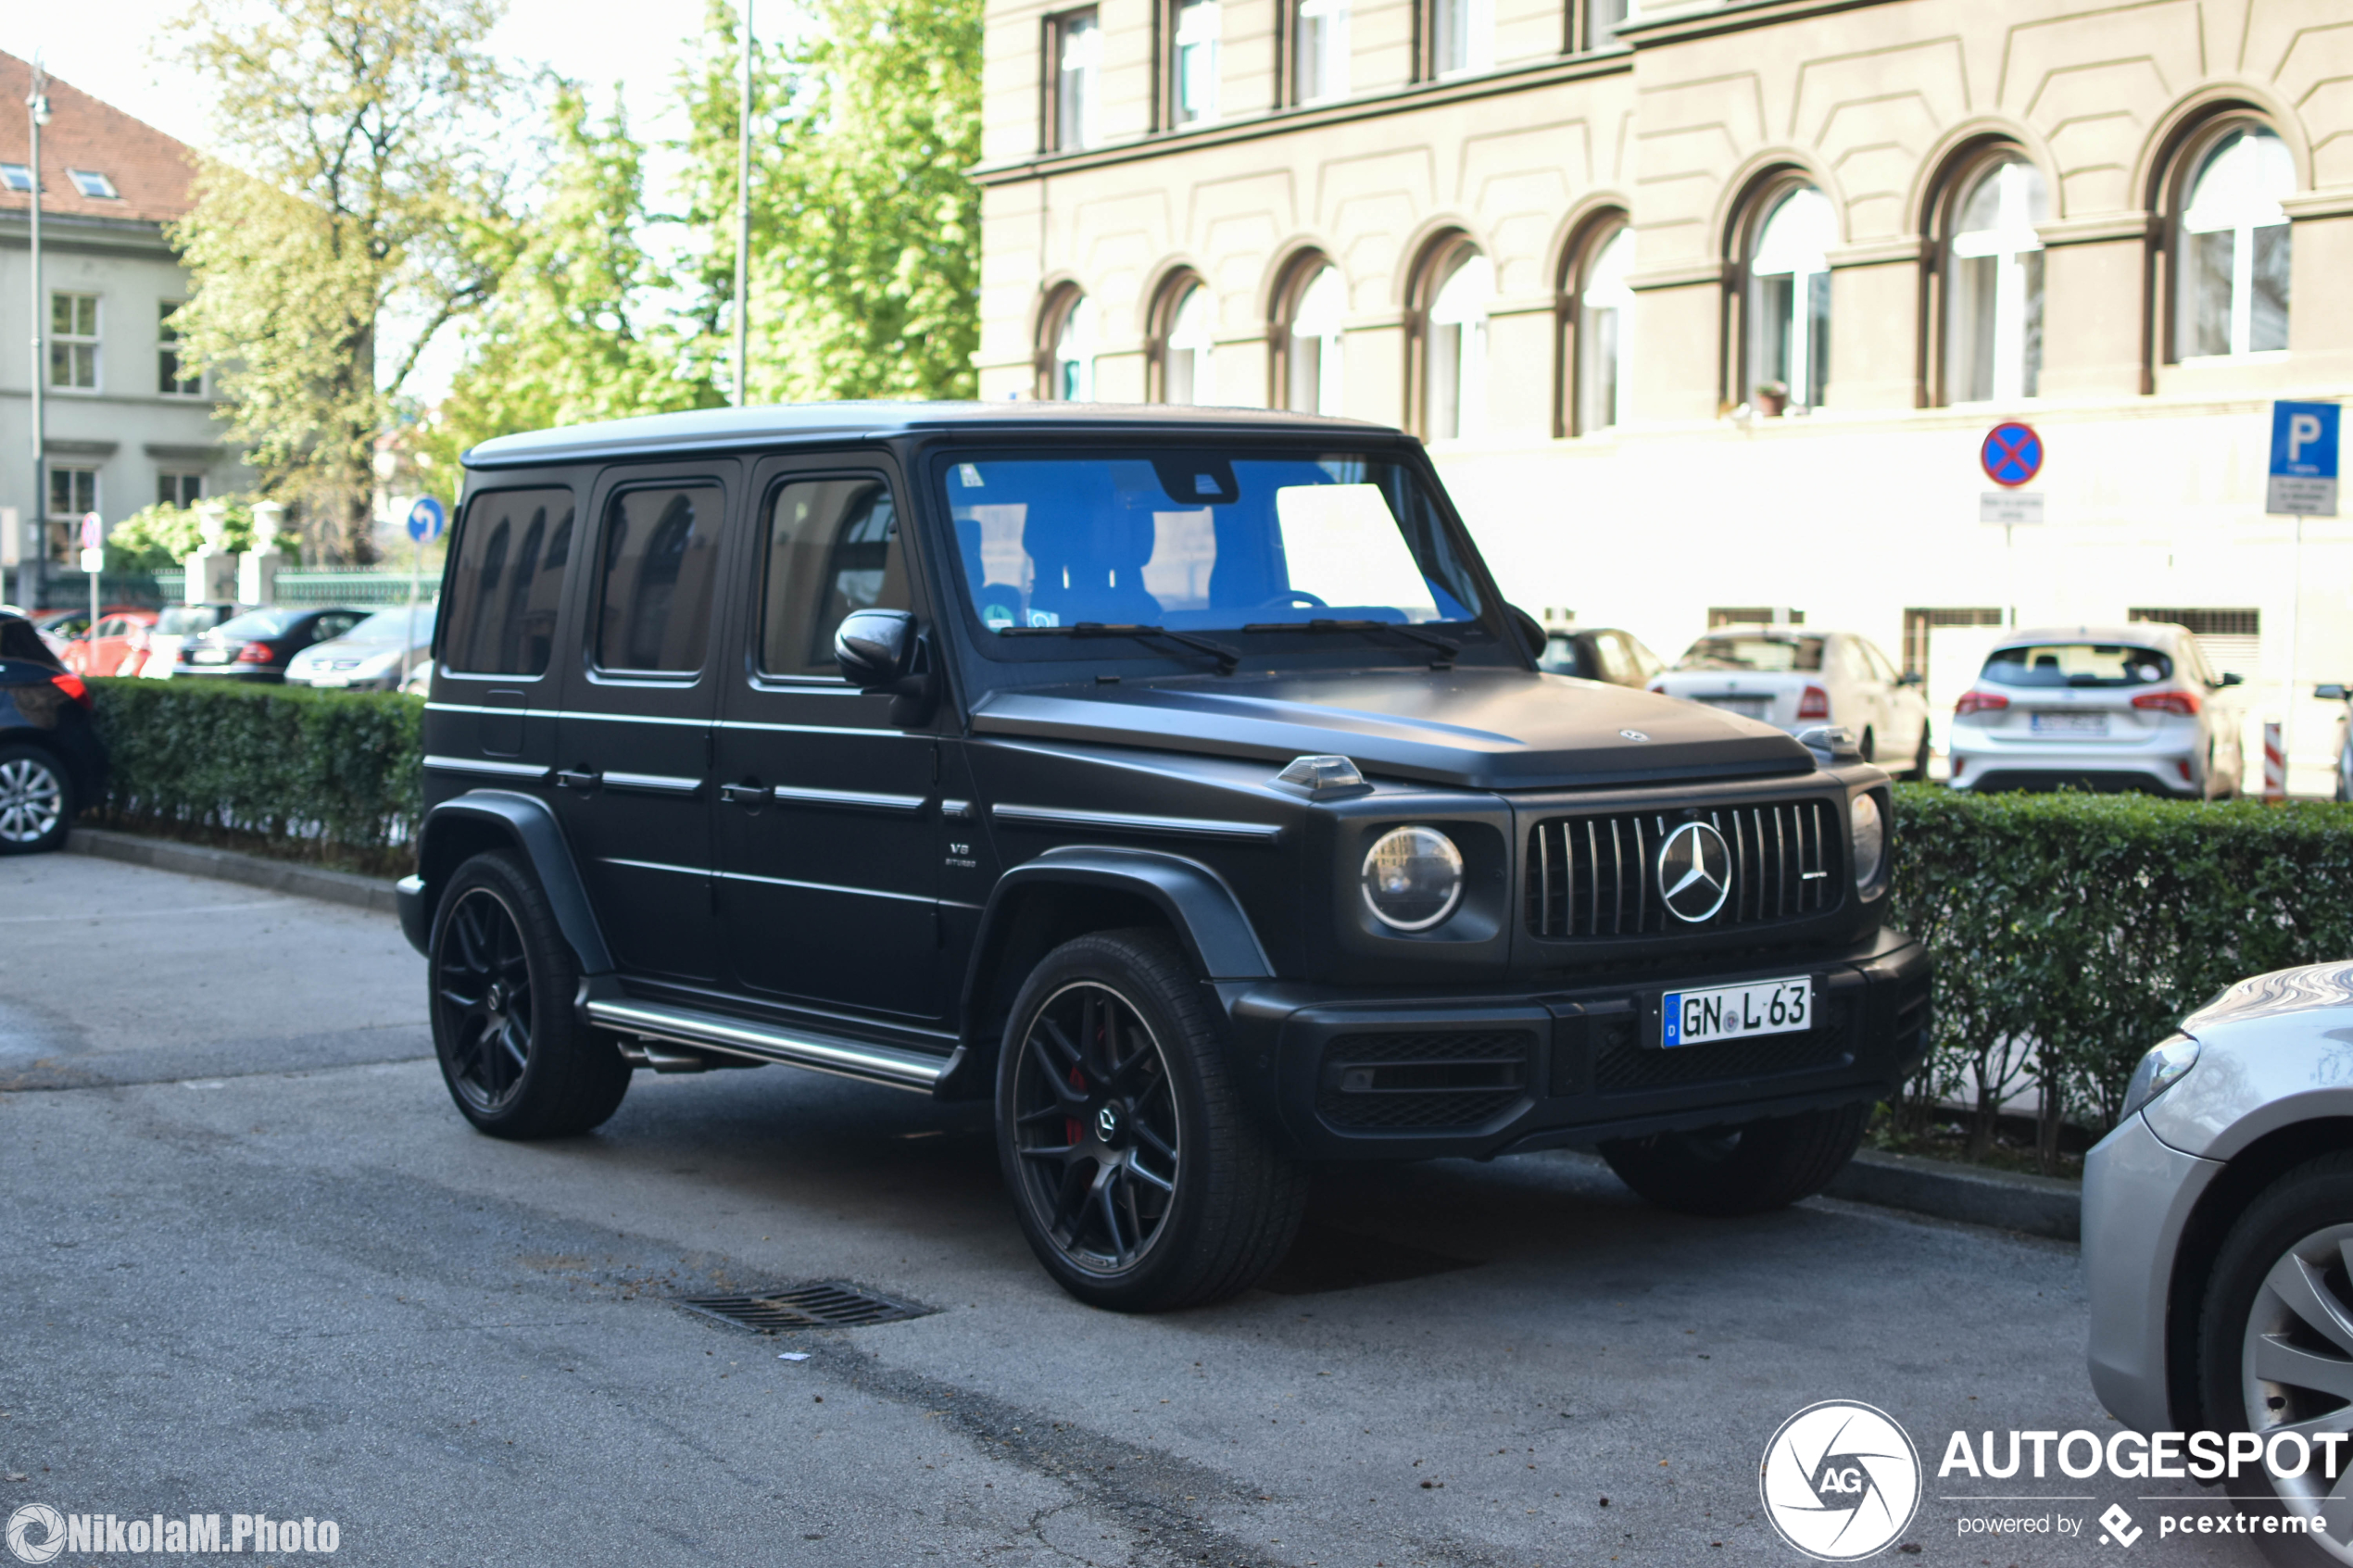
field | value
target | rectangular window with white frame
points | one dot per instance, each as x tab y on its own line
1462	37
178	489
1319	52
173	376
1074	73
1192	62
73	341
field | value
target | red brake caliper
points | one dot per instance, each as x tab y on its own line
1071	1129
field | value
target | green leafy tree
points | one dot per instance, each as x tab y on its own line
159	537
568	336
865	233
360	176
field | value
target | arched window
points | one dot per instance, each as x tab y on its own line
2231	258
1603	335
1454	343
1311	342
1188	341
1789	302
1070	359
1994	284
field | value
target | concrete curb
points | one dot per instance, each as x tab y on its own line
2036	1205
231	865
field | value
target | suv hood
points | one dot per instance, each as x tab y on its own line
1482	729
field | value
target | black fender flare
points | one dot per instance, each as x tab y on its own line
524	822
1199	906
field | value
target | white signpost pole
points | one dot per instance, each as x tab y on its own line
2302	484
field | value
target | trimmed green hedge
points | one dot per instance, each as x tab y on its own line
2084	926
2070	931
315	775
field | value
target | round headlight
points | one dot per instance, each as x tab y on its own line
1870	839
1412	878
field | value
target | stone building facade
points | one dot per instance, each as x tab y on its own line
125	425
1706	311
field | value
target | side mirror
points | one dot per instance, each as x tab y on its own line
2334	692
2236	680
1911	678
881	652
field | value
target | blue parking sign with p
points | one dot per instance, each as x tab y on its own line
426	520
2303	479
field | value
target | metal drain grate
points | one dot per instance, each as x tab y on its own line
829	1303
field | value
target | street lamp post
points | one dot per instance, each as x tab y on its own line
36	105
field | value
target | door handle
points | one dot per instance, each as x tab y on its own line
751	793
576	778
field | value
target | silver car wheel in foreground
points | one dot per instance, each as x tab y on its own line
2296	1372
31	799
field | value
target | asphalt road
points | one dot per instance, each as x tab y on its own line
251	1261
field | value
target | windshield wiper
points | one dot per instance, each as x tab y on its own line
1227	659
1439	645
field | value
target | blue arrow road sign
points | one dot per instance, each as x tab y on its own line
426	520
2303	459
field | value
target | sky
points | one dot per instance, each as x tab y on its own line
108	48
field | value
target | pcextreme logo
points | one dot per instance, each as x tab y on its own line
1840	1480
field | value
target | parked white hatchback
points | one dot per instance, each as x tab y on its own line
1800	680
2098	708
2218	1225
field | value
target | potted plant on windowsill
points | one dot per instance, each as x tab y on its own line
1772	399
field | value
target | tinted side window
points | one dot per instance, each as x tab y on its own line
833	548
653	593
512	549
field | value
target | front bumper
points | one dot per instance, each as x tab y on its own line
2138	1193
1412	1075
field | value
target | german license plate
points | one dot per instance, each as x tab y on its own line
1746	707
1735	1013
209	656
2067	723
330	680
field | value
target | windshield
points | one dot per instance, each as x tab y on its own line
2078	664
1197	540
187	619
258	623
1772	655
392	625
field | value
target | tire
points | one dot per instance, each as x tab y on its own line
36	800
516	1059
1922	758
1870	745
2288	1245
1144	1186
1751	1168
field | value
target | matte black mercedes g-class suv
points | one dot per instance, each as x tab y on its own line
1176	778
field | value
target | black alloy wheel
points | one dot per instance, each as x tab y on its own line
1096	1128
36	803
518	1061
1140	1180
482	986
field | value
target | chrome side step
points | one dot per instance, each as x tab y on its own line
825	1053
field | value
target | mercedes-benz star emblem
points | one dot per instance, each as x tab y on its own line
1107	1123
1633	734
1695	872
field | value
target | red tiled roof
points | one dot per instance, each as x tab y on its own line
150	170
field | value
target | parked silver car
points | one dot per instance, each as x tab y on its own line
376	654
1801	679
2099	707
2341	692
2218	1228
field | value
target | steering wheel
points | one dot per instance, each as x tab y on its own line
1284	601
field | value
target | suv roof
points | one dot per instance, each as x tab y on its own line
712	429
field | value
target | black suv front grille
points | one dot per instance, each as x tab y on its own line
1622	1064
1423	1080
1596	876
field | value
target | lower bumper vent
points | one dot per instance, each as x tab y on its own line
826	1304
1424	1081
1620	1065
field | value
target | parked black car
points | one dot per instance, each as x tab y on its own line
258	645
1176	778
51	759
1599	653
